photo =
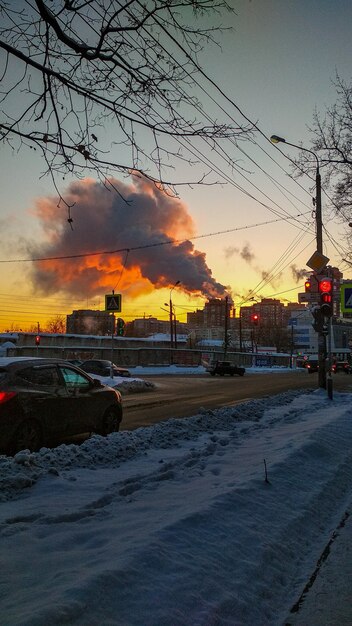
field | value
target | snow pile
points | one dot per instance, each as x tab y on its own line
127	385
177	523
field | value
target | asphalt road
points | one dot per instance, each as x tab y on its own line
183	396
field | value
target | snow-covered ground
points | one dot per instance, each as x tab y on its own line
179	524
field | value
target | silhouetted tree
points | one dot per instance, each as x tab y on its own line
56	325
331	133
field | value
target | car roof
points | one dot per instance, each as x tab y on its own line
7	360
18	360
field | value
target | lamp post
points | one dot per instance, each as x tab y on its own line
240	319
322	349
170	314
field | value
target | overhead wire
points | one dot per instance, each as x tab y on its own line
141	247
196	106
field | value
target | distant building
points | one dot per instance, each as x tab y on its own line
195	319
90	322
215	312
146	326
270	311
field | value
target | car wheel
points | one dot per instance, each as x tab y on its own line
111	421
241	373
28	435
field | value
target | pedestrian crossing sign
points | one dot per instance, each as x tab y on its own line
113	302
346	297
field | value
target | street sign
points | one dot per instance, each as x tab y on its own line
311	298
346	297
113	302
317	261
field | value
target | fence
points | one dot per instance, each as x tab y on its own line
142	356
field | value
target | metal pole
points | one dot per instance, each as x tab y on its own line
171	320
171	324
318	214
175	331
225	330
322	350
240	329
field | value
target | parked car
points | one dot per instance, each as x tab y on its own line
225	367
76	362
47	401
103	368
341	366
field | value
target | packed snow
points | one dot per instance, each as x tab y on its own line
213	520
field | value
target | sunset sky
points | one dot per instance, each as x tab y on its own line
251	234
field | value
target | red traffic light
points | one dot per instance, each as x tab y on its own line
37	340
255	318
325	290
325	285
326	298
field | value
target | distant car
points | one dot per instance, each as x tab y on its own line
312	365
341	366
102	367
47	401
225	367
76	362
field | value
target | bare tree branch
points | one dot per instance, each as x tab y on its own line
85	79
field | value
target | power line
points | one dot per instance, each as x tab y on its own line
146	246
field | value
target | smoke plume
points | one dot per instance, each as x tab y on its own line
139	215
245	253
297	274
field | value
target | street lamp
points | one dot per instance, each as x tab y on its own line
174	320
318	218
240	319
322	348
172	344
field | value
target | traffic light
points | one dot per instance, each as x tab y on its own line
120	327
325	290
255	319
307	286
37	340
318	323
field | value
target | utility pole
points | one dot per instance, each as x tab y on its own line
226	324
322	347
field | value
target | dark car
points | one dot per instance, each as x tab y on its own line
312	365
225	367
341	366
76	362
102	367
47	401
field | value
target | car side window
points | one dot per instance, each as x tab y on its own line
44	376
74	380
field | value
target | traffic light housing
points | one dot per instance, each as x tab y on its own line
37	340
325	291
120	327
255	319
307	286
